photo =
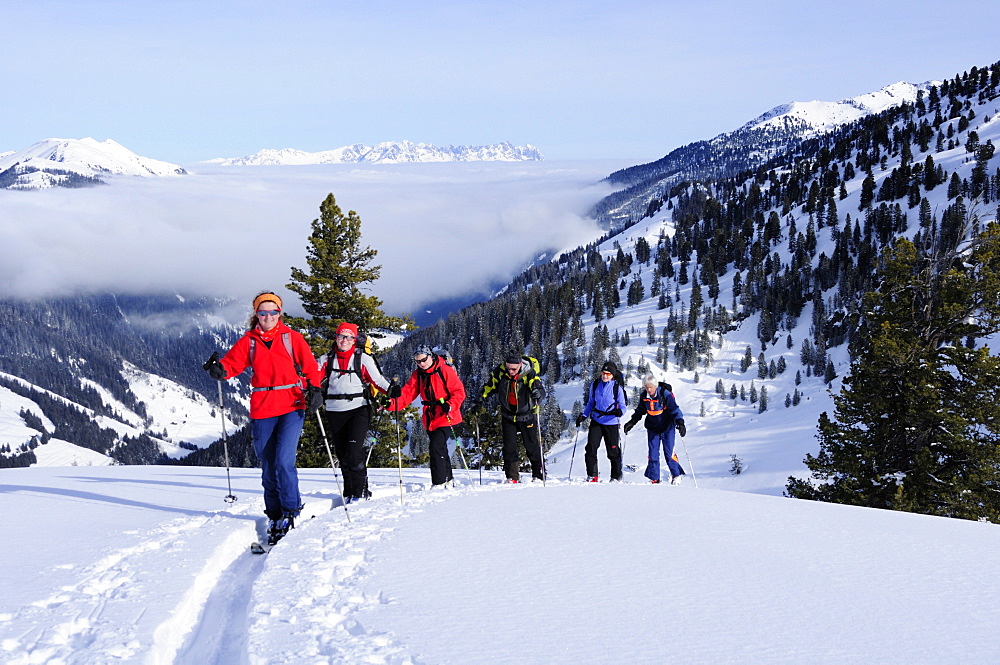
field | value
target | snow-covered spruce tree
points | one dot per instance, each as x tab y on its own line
917	424
332	291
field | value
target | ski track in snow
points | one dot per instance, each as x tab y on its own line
215	615
320	573
455	576
106	615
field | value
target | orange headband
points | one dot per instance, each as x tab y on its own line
265	297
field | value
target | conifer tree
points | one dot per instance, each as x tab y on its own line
331	291
339	270
917	425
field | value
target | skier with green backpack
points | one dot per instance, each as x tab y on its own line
520	391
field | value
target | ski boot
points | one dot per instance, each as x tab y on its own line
276	529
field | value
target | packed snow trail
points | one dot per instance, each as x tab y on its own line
161	590
571	572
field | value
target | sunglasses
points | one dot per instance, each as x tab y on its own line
421	361
606	374
513	368
268	312
348	337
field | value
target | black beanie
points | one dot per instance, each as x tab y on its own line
610	367
512	358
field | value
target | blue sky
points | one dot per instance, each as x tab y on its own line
186	81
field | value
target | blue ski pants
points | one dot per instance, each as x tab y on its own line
276	441
663	440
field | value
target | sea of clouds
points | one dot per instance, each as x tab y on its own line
442	231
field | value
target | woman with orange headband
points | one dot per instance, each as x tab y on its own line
284	383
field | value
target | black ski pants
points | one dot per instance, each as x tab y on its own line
532	446
348	431
611	442
440	459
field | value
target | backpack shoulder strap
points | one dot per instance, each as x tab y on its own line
286	339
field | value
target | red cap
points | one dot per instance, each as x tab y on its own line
346	328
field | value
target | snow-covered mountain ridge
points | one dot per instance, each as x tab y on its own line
819	116
770	134
388	152
75	163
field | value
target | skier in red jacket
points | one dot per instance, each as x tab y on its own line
442	393
285	382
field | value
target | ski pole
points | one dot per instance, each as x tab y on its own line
541	453
230	498
372	437
623	438
688	455
482	455
336	475
458	444
399	450
573	456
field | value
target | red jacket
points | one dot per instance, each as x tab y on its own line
272	367
437	383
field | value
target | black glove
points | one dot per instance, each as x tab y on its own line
215	368
446	407
537	395
616	412
681	427
477	403
395	390
579	419
314	398
628	427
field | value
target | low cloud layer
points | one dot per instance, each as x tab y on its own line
441	230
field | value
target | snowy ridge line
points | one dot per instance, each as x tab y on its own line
56	396
387	152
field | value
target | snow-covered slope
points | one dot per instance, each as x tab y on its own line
174	415
55	162
144	564
389	152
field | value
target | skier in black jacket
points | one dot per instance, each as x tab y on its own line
520	390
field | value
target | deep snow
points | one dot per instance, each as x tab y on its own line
149	564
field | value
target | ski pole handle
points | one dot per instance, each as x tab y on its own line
211	361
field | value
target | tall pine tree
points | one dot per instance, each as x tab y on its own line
340	270
917	424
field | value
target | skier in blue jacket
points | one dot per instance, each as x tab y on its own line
663	418
605	407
